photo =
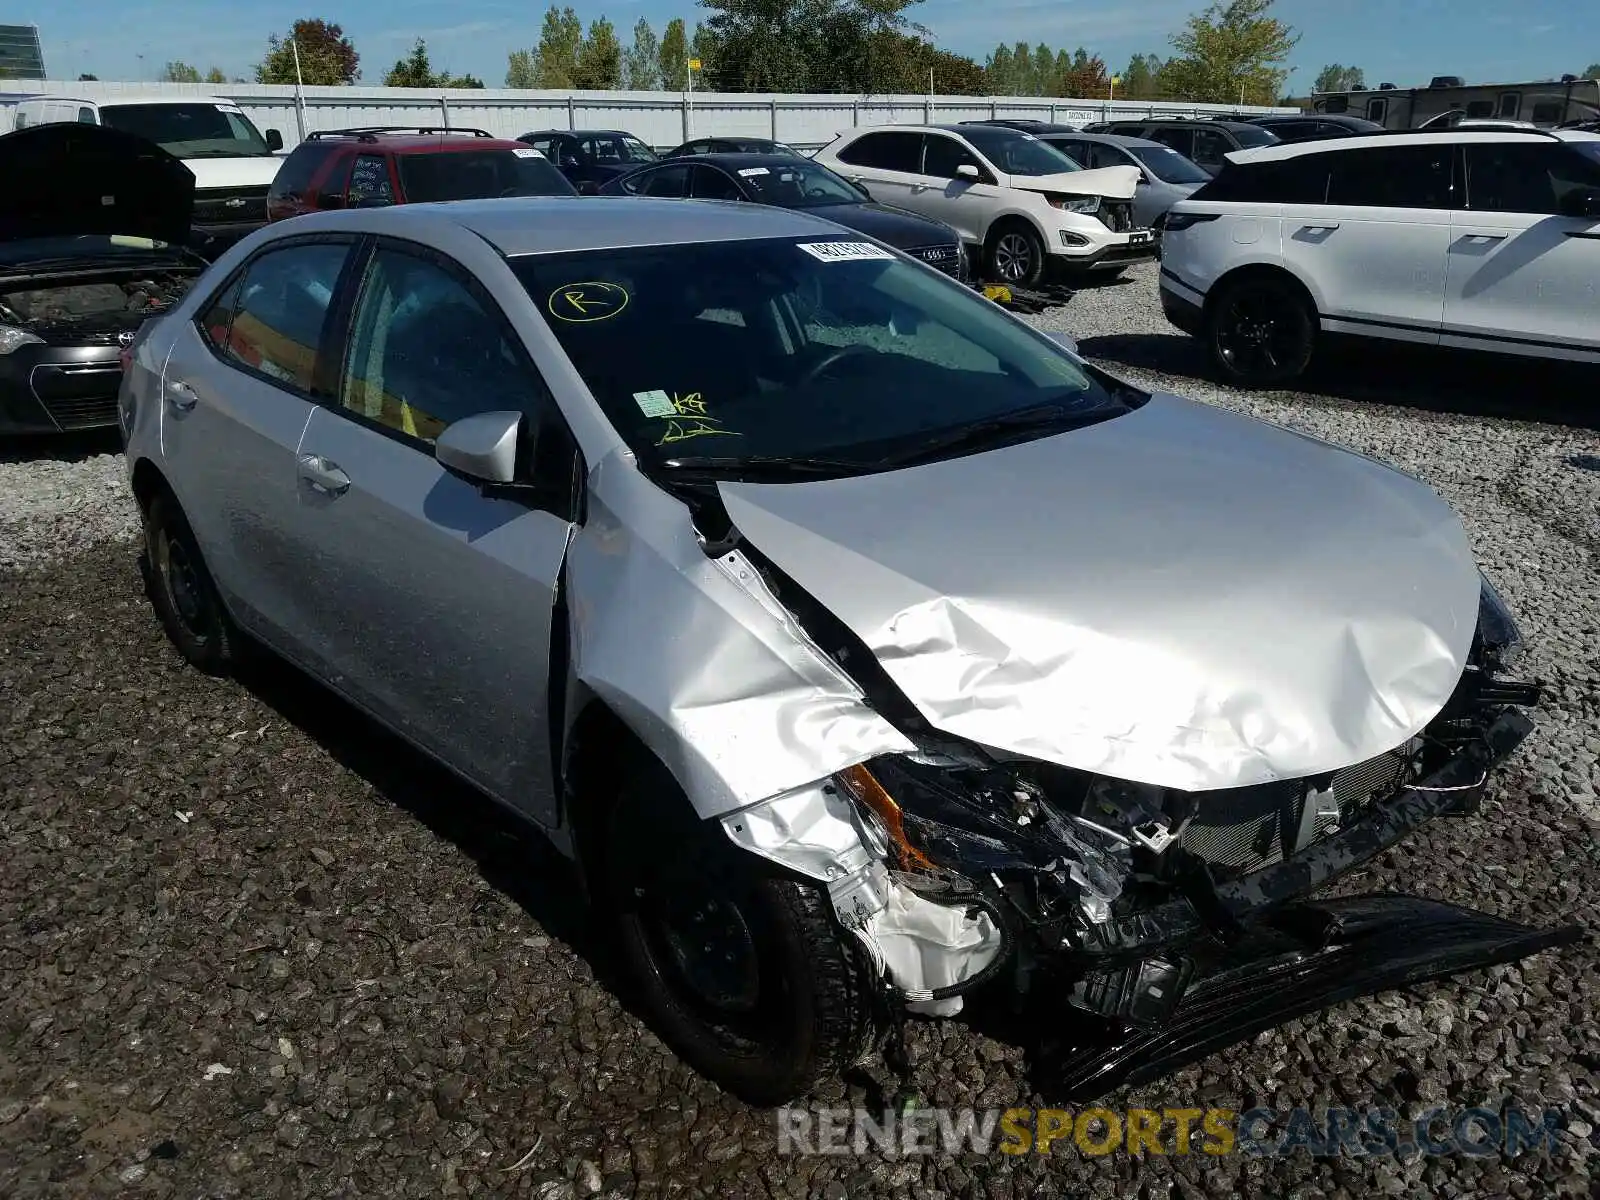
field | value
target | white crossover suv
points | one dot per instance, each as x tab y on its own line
1482	239
1018	202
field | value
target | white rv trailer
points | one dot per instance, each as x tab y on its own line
1546	102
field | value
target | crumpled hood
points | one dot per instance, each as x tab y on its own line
1114	183
1181	596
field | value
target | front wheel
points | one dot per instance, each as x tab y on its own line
1262	332
750	978
1014	254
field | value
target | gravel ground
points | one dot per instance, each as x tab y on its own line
251	946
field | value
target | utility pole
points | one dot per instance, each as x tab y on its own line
299	84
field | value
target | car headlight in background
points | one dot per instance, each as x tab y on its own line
1496	625
12	338
1075	204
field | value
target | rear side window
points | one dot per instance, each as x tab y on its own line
1516	177
479	175
709	183
369	181
1393	177
279	309
294	177
1300	180
891	150
669	182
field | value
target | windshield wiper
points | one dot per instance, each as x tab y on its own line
761	466
996	430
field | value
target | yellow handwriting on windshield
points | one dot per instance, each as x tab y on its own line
692	419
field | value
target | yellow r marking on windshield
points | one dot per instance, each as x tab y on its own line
587	300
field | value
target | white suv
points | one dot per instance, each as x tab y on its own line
1484	240
1017	201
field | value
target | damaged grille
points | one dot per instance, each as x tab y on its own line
230	206
944	258
1244	829
1116	215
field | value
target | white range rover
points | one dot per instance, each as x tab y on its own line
1480	239
1018	203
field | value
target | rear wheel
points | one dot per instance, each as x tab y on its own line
750	978
1262	332
181	590
1014	254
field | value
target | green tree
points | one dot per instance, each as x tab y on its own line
416	71
641	65
805	45
559	43
1141	80
1045	79
1337	78
1022	70
87	78
1592	71
215	75
703	46
1231	53
673	57
1087	78
599	58
179	72
327	57
1001	71
522	69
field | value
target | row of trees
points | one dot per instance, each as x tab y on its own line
1232	52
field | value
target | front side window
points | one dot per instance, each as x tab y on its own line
190	130
479	175
1393	177
1167	164
369	182
942	157
1019	153
890	150
778	348
669	182
801	185
710	183
425	352
1528	177
278	311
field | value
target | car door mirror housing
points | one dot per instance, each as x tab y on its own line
968	171
862	188
588	188
274	140
330	200
1069	344
482	447
1581	202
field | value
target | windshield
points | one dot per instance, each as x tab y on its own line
1254	135
1018	153
784	349
804	185
1168	165
479	174
190	130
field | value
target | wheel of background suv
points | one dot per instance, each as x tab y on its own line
1014	254
749	976
181	590
1262	332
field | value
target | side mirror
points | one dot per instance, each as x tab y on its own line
330	200
274	140
481	447
968	171
862	188
1070	345
1581	202
588	188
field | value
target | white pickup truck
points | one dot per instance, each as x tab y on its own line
233	164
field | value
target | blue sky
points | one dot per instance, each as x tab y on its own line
1405	43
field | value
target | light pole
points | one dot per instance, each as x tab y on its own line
299	84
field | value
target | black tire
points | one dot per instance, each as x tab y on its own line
780	996
182	592
1262	332
1014	254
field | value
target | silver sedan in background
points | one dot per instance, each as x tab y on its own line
861	643
1165	176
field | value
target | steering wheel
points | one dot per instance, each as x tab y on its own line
818	193
821	367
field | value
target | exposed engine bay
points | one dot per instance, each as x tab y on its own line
86	305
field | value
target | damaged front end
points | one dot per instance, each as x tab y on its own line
1172	922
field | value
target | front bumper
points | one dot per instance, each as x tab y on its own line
58	389
1110	256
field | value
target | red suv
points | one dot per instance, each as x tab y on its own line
376	166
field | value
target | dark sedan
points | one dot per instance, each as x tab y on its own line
789	182
733	145
590	157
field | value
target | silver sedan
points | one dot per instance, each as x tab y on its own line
861	643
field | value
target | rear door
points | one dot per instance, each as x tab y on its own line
889	162
1521	276
1373	251
238	388
434	601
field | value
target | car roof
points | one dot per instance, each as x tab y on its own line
1160	122
1371	141
556	224
734	159
573	132
1113	139
415	143
119	101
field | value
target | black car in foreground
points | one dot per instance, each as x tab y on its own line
790	182
92	222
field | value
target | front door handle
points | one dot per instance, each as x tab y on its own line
323	476
1485	237
1323	226
181	396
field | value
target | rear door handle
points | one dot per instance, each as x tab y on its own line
323	476
1485	237
1328	226
181	396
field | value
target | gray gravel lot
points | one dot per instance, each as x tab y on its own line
251	946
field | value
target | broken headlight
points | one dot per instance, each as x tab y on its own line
1497	629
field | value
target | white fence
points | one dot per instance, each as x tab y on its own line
663	119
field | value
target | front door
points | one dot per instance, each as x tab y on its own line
436	599
1522	277
947	196
239	386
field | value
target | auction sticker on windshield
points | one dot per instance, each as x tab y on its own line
527	152
752	172
844	251
587	300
